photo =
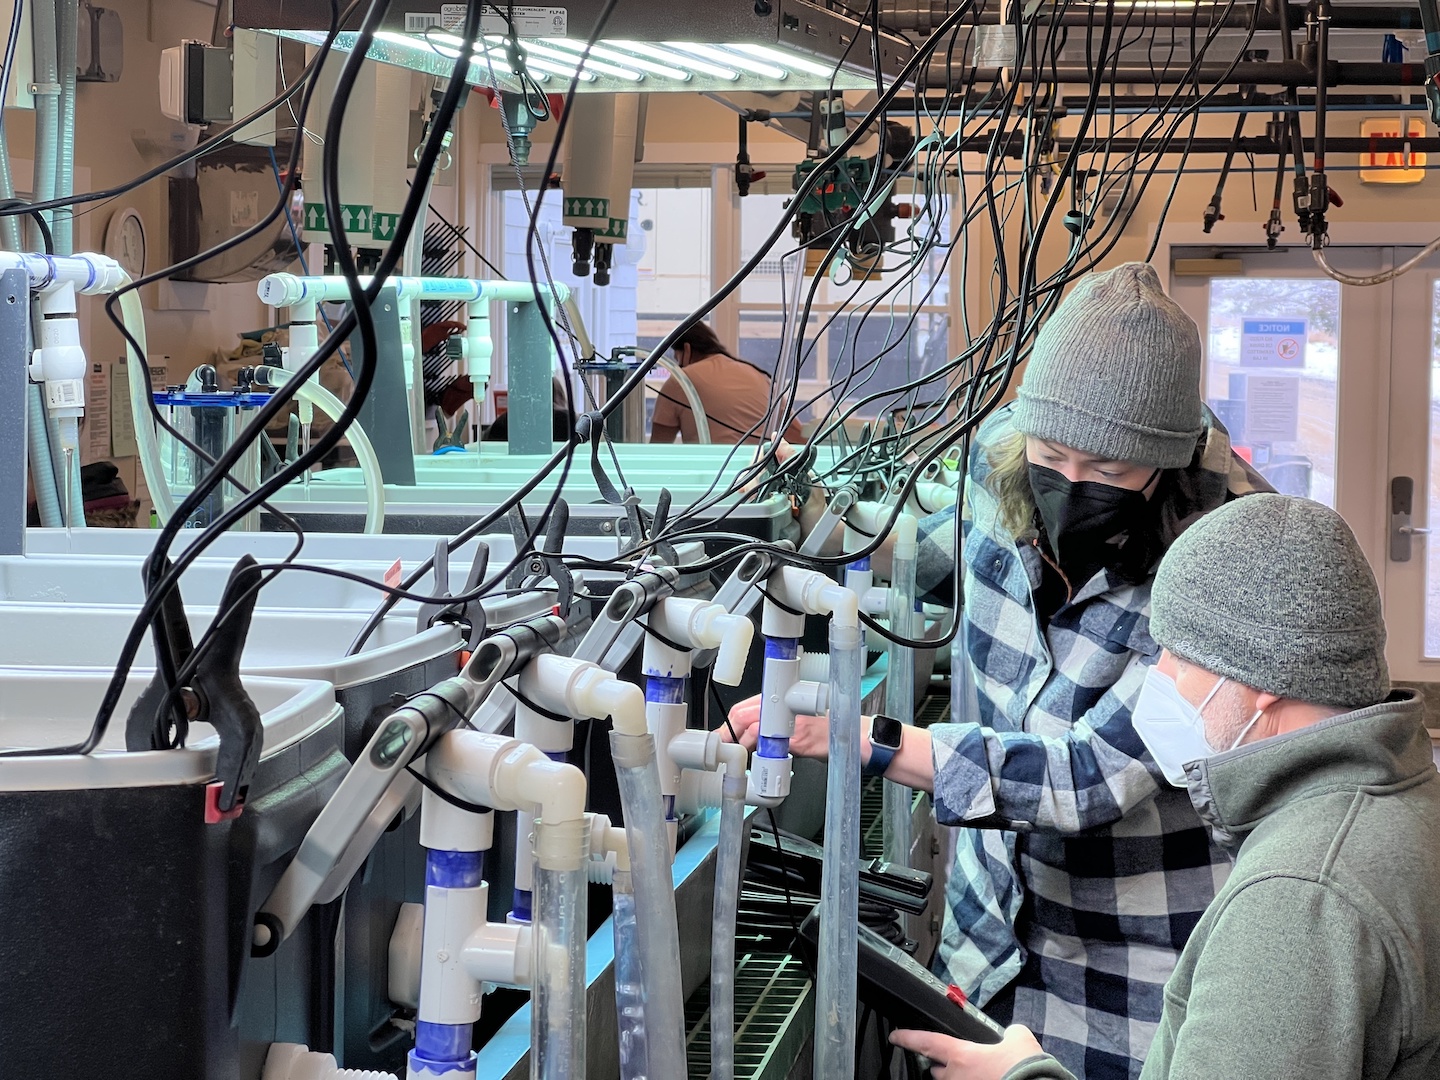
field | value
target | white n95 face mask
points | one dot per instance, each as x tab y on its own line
1171	728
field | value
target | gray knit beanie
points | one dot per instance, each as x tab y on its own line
1115	372
1274	592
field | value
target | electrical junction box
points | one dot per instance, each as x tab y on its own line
197	83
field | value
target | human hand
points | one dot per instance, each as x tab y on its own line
811	738
957	1059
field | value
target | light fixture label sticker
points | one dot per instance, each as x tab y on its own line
528	21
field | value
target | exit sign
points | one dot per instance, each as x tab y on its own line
1395	164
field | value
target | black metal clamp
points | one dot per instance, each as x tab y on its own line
212	693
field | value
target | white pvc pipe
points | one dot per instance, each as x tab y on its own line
287	290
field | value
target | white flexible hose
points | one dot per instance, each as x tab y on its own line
133	316
334	408
697	407
1380	278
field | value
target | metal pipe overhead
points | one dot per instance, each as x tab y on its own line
1209	73
921	16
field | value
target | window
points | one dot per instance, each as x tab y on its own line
1271	362
894	328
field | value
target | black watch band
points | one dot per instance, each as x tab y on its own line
885	735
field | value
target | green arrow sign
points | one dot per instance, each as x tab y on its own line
589	208
356	217
315	220
383	226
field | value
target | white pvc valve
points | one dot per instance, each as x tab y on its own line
290	1061
59	366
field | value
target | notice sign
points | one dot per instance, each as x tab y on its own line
1272	409
1272	343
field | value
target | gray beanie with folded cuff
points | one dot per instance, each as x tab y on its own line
1115	372
1274	592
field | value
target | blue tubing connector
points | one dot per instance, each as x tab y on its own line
664	690
454	869
522	906
442	1049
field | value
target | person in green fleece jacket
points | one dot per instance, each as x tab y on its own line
1272	706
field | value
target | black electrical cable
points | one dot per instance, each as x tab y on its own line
39	219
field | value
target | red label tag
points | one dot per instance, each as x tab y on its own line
213	814
392	576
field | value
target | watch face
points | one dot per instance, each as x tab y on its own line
886	731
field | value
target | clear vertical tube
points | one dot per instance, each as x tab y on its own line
835	992
900	703
722	949
629	981
557	1004
657	936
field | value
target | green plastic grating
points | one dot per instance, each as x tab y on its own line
773	1002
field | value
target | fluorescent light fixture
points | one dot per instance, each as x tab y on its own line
732	57
680	46
717	71
604	52
591	64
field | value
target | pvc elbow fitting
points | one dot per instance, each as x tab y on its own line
581	689
733	634
818	595
506	774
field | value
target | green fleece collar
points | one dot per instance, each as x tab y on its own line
1377	746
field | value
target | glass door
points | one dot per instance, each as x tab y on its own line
1332	391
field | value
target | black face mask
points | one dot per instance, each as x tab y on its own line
1081	517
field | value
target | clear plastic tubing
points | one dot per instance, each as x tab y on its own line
722	949
657	936
557	1004
900	703
629	987
444	1049
835	995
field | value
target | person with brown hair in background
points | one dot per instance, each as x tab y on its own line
734	392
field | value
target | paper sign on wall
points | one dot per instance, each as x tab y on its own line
1273	343
97	414
1272	409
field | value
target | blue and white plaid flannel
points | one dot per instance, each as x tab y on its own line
1086	904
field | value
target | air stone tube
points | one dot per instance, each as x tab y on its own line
657	937
557	1005
835	998
899	800
722	950
629	988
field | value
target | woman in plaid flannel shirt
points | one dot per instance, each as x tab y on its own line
1080	874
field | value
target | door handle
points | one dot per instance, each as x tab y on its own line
1402	500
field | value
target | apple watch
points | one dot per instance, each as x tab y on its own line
885	735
